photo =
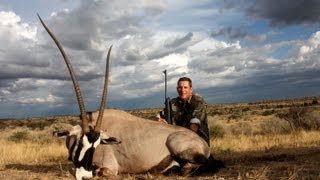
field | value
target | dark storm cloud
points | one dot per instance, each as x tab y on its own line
172	45
10	72
279	12
233	33
5	83
286	12
265	87
134	56
74	33
179	41
162	52
101	23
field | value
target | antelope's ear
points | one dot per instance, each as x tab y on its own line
105	139
110	140
75	130
60	133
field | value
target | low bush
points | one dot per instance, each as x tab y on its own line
19	136
38	125
234	116
268	112
217	131
275	126
242	128
304	118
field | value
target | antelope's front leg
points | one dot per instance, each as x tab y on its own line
105	162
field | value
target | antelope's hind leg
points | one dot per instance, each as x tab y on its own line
189	150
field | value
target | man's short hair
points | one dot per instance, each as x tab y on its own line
185	79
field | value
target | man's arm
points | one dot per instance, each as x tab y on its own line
200	117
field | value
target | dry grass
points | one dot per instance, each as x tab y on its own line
243	143
30	152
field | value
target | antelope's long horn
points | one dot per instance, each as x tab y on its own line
83	115
104	94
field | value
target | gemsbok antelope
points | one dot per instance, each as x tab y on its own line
111	142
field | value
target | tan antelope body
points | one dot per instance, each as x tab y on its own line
146	145
114	141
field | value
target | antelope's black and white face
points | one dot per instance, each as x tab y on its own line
81	150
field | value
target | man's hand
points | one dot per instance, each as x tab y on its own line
194	124
194	127
162	120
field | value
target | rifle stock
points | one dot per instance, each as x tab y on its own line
168	111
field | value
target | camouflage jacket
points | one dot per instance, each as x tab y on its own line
184	111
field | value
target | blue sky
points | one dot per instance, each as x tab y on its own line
234	51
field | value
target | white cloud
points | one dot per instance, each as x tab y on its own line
304	50
5	92
177	62
49	99
312	44
12	27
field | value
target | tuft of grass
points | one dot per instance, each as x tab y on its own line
19	136
242	128
217	131
38	125
268	112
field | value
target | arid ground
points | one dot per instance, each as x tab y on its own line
262	140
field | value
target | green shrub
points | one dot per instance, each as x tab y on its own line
268	112
19	136
245	109
38	125
217	131
314	102
280	106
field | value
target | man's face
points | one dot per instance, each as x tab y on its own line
184	90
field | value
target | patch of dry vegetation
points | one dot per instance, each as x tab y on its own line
265	143
28	150
266	140
22	145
